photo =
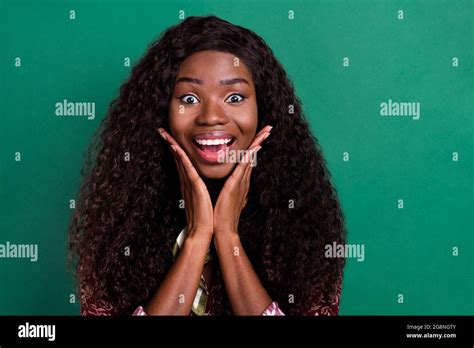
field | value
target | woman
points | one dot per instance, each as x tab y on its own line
179	216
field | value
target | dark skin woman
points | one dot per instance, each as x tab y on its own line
203	88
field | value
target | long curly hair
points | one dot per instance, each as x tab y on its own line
128	215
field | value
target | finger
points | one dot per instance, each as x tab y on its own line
187	165
239	171
253	161
184	184
187	174
170	140
246	185
168	137
266	129
246	176
245	201
261	136
263	131
184	177
173	143
180	169
178	150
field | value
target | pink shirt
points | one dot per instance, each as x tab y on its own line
272	309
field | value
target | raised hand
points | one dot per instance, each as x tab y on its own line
198	203
233	196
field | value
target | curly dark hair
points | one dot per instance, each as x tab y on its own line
135	203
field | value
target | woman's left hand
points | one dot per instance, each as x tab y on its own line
233	196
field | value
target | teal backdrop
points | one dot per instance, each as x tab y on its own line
405	184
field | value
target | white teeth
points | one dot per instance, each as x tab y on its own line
213	141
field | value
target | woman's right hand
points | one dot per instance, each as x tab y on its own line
197	201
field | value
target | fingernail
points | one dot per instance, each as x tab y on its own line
173	147
163	135
266	136
258	148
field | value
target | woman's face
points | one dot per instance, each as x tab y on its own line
213	109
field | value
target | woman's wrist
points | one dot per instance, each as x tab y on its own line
200	232
197	238
225	237
225	231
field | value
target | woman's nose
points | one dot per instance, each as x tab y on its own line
212	114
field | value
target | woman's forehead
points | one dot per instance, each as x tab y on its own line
214	67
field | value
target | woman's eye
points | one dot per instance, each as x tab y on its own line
189	99
235	98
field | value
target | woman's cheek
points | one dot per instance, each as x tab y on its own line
176	127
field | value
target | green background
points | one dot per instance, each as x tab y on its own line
407	251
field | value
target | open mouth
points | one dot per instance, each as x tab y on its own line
213	145
210	145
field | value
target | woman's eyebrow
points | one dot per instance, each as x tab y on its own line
190	80
233	81
222	82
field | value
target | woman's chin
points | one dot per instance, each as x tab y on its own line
215	171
